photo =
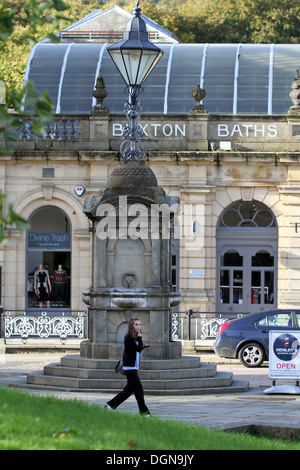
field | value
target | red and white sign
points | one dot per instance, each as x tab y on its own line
284	354
79	190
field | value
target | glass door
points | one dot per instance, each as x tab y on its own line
246	280
262	281
247	249
231	276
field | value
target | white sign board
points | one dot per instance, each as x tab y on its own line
284	354
197	273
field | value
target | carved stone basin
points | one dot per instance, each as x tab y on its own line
129	301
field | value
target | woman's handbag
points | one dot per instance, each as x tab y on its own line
119	367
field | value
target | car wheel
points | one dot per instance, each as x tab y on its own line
251	355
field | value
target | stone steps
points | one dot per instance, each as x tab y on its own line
146	364
220	379
237	386
159	377
206	370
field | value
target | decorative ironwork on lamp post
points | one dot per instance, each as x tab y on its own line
135	57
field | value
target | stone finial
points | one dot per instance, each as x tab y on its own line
198	94
295	95
100	94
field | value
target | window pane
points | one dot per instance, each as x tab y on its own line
231	258
45	69
253	78
231	218
79	78
237	287
282	319
219	77
224	286
269	287
286	56
263	258
184	76
224	277
256	287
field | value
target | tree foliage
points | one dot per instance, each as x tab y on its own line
34	14
229	21
9	217
200	21
245	21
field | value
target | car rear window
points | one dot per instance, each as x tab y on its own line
283	319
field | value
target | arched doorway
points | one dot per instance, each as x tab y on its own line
49	260
247	251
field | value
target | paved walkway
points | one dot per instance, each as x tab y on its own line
218	411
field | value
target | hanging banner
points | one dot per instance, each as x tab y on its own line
284	354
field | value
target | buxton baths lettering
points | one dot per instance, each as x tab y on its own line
155	130
160	130
247	130
152	129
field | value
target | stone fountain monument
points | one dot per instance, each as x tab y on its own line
131	240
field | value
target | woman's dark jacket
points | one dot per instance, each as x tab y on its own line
131	348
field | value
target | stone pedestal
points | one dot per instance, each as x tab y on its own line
131	273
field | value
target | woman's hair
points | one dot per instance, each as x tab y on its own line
130	330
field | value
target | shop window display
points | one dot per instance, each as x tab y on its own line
49	260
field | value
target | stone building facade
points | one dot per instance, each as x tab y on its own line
259	173
236	248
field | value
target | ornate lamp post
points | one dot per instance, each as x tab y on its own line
135	273
135	57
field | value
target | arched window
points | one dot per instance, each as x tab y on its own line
247	246
246	214
49	260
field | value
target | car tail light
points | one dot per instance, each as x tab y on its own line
223	327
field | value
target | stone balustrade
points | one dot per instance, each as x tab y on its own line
191	132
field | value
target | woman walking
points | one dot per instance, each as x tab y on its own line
133	347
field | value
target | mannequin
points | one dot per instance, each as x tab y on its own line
60	281
42	286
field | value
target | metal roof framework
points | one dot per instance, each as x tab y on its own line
238	78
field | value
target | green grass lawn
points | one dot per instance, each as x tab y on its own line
40	423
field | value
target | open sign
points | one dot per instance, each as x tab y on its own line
284	354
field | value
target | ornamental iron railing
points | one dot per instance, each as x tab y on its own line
19	324
191	325
73	324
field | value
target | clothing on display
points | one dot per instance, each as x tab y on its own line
60	284
42	285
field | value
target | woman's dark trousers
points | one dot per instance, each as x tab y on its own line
133	386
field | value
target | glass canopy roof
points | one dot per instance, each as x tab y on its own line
238	78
